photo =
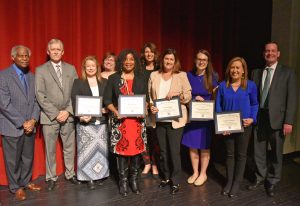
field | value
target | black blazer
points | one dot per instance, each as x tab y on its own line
82	87
282	96
112	91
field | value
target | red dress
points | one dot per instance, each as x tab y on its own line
128	134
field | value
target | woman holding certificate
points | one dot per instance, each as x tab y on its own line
128	134
150	63
166	83
92	135
197	134
237	93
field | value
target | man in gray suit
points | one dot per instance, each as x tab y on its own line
19	112
54	81
278	104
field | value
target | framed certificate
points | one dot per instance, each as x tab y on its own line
168	109
132	105
202	110
229	122
88	106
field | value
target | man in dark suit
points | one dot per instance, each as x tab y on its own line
278	103
19	112
53	82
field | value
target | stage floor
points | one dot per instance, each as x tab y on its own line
66	194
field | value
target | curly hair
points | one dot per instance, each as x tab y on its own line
122	57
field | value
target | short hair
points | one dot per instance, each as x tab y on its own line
122	56
245	75
14	50
153	49
55	41
209	71
107	55
272	42
177	66
83	69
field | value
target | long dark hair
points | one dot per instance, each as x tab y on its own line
153	49
209	71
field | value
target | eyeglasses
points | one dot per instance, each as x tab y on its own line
202	60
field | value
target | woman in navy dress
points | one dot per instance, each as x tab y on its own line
197	135
237	93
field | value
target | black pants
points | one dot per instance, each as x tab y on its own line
169	140
236	149
151	154
268	167
18	156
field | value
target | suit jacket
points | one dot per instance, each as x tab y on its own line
82	87
282	96
180	83
49	93
15	106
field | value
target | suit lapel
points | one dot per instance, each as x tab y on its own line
54	75
17	80
275	78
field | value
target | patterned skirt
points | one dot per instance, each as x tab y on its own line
92	152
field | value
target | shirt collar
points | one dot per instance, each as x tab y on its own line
273	66
18	70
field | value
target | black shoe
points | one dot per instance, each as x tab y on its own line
271	190
123	185
51	185
91	185
174	189
164	183
135	186
255	185
225	192
232	195
74	180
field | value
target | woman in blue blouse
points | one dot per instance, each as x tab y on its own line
237	93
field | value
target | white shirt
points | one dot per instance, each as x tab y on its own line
273	67
95	92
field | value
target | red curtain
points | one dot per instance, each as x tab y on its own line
93	27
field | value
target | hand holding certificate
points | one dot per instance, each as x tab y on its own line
228	122
168	109
132	105
202	110
88	106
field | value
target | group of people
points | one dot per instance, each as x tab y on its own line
267	105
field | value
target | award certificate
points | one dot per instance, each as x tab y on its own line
202	110
88	106
132	105
228	122
168	109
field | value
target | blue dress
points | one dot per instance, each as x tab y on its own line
198	134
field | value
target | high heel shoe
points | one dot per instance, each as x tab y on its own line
164	183
225	192
174	189
91	185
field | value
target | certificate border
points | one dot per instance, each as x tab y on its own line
170	117
200	119
128	96
231	131
89	97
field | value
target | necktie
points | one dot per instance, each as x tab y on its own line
266	87
59	74
23	81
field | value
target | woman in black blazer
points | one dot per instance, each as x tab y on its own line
128	134
92	133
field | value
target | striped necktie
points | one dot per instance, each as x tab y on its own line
59	74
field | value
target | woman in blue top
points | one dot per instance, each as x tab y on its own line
197	135
237	93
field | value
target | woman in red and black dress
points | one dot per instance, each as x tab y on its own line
128	135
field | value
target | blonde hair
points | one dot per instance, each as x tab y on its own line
245	75
83	69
